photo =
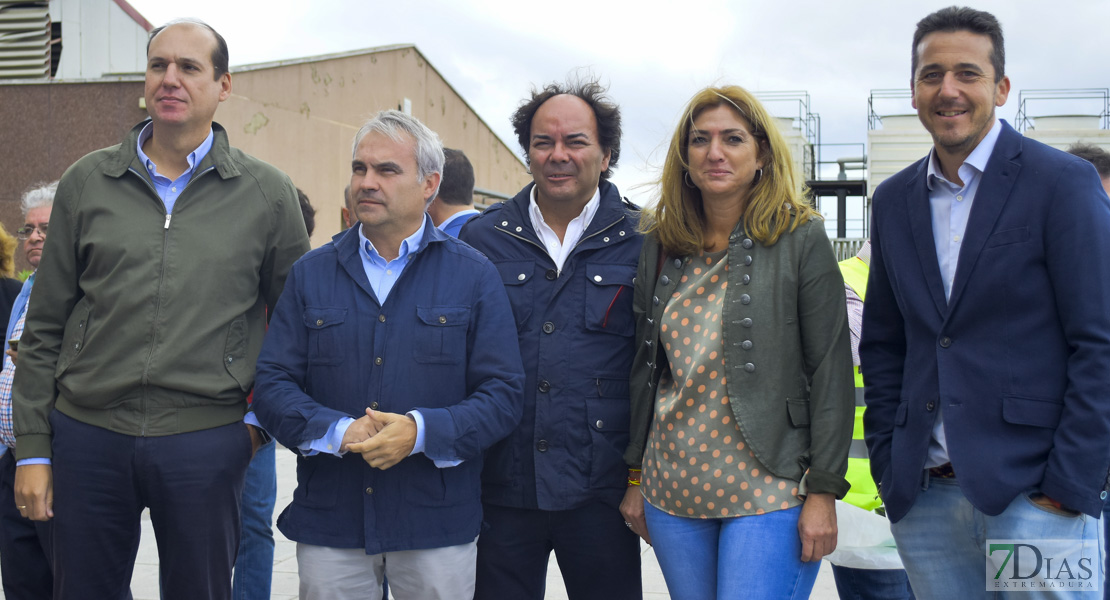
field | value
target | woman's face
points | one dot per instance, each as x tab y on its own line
723	154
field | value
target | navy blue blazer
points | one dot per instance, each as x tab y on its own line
1018	357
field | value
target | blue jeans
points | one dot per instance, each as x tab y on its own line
254	565
942	542
757	556
872	584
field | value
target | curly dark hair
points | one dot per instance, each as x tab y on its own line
606	112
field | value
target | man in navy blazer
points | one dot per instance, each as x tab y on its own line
986	336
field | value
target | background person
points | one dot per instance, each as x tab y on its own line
453	206
741	386
25	546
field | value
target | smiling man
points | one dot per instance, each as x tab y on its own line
391	364
566	249
986	328
147	316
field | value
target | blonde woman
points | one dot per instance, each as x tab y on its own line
742	392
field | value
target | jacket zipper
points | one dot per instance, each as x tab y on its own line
161	283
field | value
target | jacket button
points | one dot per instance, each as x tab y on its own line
442	319
945	342
319	322
746	243
745	299
381	318
678	263
605	239
374	406
648	342
551	274
543	386
665	280
369	491
746	344
747	260
1102	496
930	405
548	327
378	361
745	279
541	445
521	277
749	367
230	359
597	278
746	322
600	424
655	300
81	324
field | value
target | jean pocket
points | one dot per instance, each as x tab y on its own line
1032	497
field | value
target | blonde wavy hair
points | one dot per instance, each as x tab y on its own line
678	217
8	244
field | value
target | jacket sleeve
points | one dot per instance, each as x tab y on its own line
494	379
1077	255
288	242
827	353
882	351
280	402
55	293
641	386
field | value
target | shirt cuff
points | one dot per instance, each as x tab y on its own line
331	443
32	461
418	447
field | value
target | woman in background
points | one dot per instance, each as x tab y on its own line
742	390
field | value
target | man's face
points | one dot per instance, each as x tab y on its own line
388	194
954	90
37	219
563	152
181	87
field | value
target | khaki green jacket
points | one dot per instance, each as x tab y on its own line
147	324
787	353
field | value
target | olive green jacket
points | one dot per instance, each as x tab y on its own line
147	324
787	353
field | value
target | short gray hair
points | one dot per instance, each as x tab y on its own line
429	148
40	195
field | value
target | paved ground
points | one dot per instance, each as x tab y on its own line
144	584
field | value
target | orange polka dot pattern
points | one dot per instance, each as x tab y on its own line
697	463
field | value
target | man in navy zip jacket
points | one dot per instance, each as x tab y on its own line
566	249
391	364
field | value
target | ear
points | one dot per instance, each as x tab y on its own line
431	182
605	161
225	86
1002	91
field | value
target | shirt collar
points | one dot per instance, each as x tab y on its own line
586	216
194	157
459	215
410	245
977	159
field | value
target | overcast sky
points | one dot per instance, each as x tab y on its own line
654	55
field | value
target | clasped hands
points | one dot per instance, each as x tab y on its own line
383	439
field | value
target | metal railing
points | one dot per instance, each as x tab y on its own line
1096	102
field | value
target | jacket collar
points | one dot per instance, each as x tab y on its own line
347	242
219	156
611	209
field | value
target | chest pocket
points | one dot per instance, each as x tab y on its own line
609	298
517	277
324	330
440	336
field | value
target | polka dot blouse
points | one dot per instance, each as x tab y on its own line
697	463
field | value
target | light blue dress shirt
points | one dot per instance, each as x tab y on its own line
169	190
950	206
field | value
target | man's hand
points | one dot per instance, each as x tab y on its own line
361	430
1052	505
13	354
256	438
817	526
34	491
632	508
391	444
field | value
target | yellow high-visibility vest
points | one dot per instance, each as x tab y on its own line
864	492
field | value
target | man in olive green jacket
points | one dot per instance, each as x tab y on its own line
147	317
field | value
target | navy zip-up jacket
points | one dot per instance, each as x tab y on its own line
576	332
441	343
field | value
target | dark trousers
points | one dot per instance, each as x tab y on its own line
599	557
24	544
102	481
872	584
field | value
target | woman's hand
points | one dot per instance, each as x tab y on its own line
632	508
816	526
